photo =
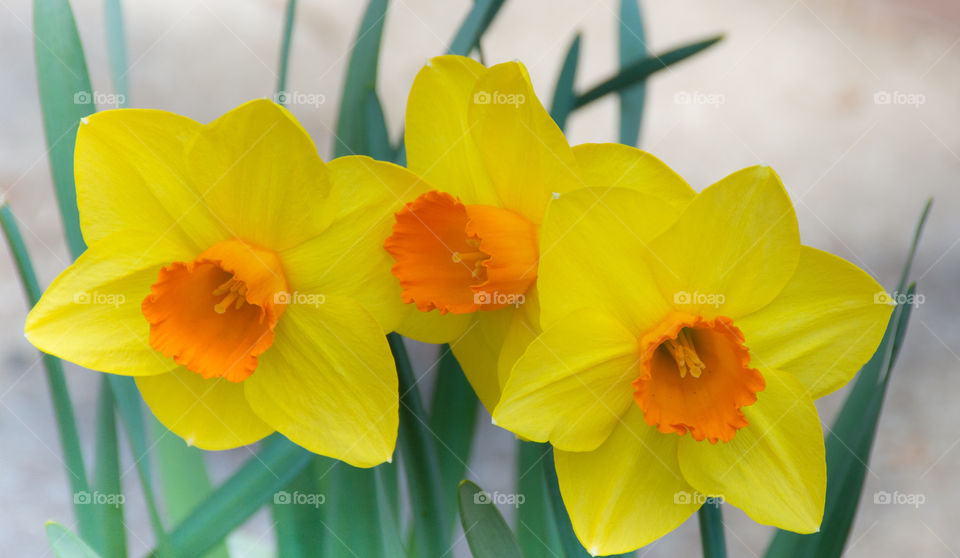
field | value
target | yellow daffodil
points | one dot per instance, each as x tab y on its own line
225	271
465	244
685	339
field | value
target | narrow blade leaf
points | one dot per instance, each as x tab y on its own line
632	48
564	96
65	544
361	78
487	533
474	26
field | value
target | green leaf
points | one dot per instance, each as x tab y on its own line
288	19
297	517
453	417
474	26
419	452
850	440
711	530
536	530
66	96
253	485
361	78
60	396
564	95
65	544
117	49
377	138
356	507
641	70
632	48
108	496
487	533
389	526
183	477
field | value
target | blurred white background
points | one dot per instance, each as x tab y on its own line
855	103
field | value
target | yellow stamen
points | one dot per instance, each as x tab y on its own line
683	351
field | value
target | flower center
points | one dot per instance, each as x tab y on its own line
216	314
695	377
462	258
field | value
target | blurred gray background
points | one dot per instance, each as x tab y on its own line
854	102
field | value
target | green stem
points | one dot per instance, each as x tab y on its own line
711	530
420	455
285	46
62	406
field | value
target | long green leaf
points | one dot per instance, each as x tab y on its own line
60	396
416	443
377	138
253	485
66	96
107	496
361	78
564	95
65	544
484	528
297	518
849	443
117	49
453	416
289	17
711	530
641	70
354	501
632	48
536	529
183	478
389	525
474	26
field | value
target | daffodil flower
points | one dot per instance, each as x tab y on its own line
685	339
465	244
225	271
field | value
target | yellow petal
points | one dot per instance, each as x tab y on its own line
132	176
614	165
733	249
261	176
823	326
628	492
90	314
209	414
439	145
478	352
348	258
592	255
774	468
525	153
523	329
573	383
328	383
